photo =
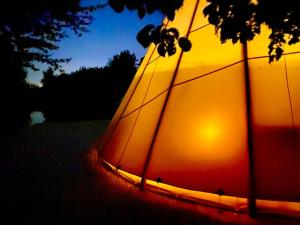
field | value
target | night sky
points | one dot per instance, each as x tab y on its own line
109	34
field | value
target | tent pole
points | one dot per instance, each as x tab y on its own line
252	180
165	104
129	99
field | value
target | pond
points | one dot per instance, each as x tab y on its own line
36	117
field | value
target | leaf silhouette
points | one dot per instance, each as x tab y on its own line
143	35
161	48
175	32
117	5
185	44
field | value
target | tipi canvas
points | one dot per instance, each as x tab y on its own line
218	120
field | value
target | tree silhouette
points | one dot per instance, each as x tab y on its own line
14	113
89	93
48	77
28	31
33	27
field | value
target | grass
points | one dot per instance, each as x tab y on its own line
46	179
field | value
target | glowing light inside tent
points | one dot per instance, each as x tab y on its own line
210	134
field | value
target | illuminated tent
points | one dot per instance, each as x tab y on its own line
217	124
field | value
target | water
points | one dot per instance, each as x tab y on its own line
36	117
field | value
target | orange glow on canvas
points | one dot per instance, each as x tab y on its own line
193	133
210	134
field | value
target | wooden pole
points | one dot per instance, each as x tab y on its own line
252	180
165	104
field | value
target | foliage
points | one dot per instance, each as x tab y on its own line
165	39
40	24
143	7
48	77
122	64
234	20
29	30
241	20
13	93
33	27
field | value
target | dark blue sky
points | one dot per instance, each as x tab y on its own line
109	34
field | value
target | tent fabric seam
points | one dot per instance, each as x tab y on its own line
137	117
198	77
126	105
183	82
160	118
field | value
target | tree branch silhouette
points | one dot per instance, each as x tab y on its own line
234	20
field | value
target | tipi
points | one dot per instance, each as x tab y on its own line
217	124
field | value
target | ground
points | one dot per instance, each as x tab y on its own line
47	178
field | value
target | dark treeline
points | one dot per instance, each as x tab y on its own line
14	92
86	94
